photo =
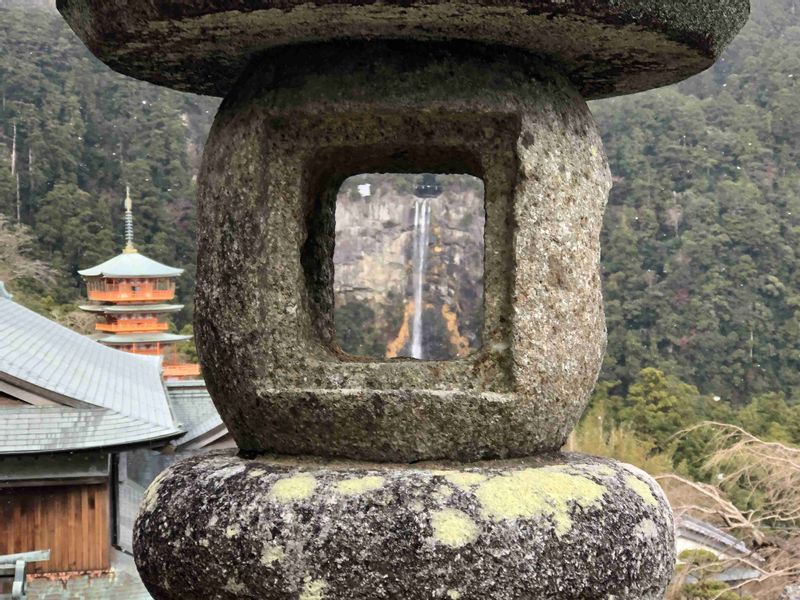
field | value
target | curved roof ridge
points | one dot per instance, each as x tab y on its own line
131	264
58	363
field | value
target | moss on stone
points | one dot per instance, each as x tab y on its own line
292	489
453	594
531	493
359	485
453	528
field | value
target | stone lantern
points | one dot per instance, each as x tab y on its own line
402	479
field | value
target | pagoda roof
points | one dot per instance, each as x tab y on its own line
138	338
94	396
131	308
131	264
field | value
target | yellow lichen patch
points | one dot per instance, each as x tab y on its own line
453	594
538	493
647	529
442	492
453	528
642	489
232	531
151	494
291	489
256	473
234	587
271	554
603	470
313	589
465	480
359	485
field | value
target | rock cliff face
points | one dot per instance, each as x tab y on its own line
391	253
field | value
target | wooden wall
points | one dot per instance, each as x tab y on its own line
70	520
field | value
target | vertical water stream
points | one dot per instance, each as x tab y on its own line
422	217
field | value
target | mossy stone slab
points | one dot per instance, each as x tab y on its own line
606	47
563	527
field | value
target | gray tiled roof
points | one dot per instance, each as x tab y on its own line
59	428
110	397
690	527
194	410
131	264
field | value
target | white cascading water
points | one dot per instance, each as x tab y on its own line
422	217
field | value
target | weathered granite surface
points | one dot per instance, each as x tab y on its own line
279	149
607	47
561	527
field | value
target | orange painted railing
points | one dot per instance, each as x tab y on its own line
128	295
182	370
130	325
147	351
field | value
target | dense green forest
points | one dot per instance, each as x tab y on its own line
700	246
701	264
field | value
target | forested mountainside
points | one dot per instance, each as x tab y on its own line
72	134
701	264
701	245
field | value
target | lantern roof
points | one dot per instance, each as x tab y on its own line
606	47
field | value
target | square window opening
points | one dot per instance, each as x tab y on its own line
408	266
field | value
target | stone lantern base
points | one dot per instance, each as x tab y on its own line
563	526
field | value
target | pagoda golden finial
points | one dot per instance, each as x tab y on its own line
129	247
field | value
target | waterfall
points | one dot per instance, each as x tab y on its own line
422	217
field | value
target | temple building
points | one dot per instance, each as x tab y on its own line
83	431
130	294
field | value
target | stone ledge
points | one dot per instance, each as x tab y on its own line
400	425
563	526
607	47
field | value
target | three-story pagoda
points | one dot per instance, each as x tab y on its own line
130	293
